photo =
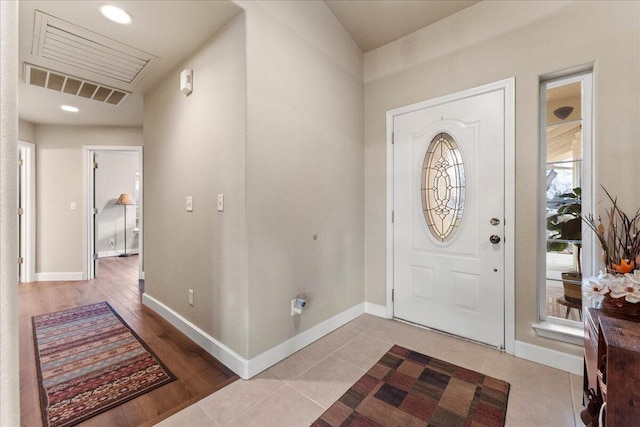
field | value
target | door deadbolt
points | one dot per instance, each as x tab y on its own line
494	239
495	221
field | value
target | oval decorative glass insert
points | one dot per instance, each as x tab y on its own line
443	187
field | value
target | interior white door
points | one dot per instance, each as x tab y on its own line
449	201
22	224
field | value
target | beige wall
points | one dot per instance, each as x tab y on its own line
59	182
195	146
9	326
304	168
492	41
26	131
296	173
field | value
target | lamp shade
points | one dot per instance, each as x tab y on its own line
125	199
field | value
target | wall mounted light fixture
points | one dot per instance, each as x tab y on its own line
563	112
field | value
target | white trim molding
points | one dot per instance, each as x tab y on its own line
224	354
560	331
247	368
109	254
300	341
87	198
552	358
58	277
377	310
28	246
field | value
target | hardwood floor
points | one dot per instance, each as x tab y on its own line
199	374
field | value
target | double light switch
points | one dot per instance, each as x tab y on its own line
189	204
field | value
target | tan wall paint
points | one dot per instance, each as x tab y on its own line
195	146
9	326
492	41
304	168
26	131
303	176
59	182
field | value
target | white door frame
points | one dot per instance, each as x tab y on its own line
87	197
508	87
28	247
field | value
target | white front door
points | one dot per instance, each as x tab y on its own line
449	212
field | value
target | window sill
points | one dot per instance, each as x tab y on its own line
560	332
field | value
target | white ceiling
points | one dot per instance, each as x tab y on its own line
173	30
374	23
170	30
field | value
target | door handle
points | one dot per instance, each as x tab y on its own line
494	239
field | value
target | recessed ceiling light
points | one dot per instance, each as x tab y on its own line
115	14
69	108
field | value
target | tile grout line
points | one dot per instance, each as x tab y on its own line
285	383
311	399
255	404
332	354
319	361
573	403
364	371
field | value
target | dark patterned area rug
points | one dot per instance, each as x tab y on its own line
406	388
89	361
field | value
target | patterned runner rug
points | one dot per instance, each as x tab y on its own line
89	361
406	388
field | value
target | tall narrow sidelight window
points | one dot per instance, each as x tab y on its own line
566	253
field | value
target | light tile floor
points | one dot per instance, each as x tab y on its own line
299	389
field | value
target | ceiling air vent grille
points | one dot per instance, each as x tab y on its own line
89	53
59	82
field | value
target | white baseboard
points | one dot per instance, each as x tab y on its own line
224	354
107	254
58	277
247	368
375	309
555	359
303	339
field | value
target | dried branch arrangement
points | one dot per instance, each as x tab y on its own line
620	240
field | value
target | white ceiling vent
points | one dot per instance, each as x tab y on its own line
59	82
91	54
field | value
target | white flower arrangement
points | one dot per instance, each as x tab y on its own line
618	287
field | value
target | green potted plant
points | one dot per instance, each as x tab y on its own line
565	228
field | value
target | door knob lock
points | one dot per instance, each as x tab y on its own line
494	239
494	221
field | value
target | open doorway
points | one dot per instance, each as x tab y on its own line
26	212
112	205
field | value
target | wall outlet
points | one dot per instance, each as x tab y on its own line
191	297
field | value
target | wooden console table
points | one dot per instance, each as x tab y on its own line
612	365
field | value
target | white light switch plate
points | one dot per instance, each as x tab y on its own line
220	202
189	204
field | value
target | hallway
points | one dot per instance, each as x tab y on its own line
199	374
